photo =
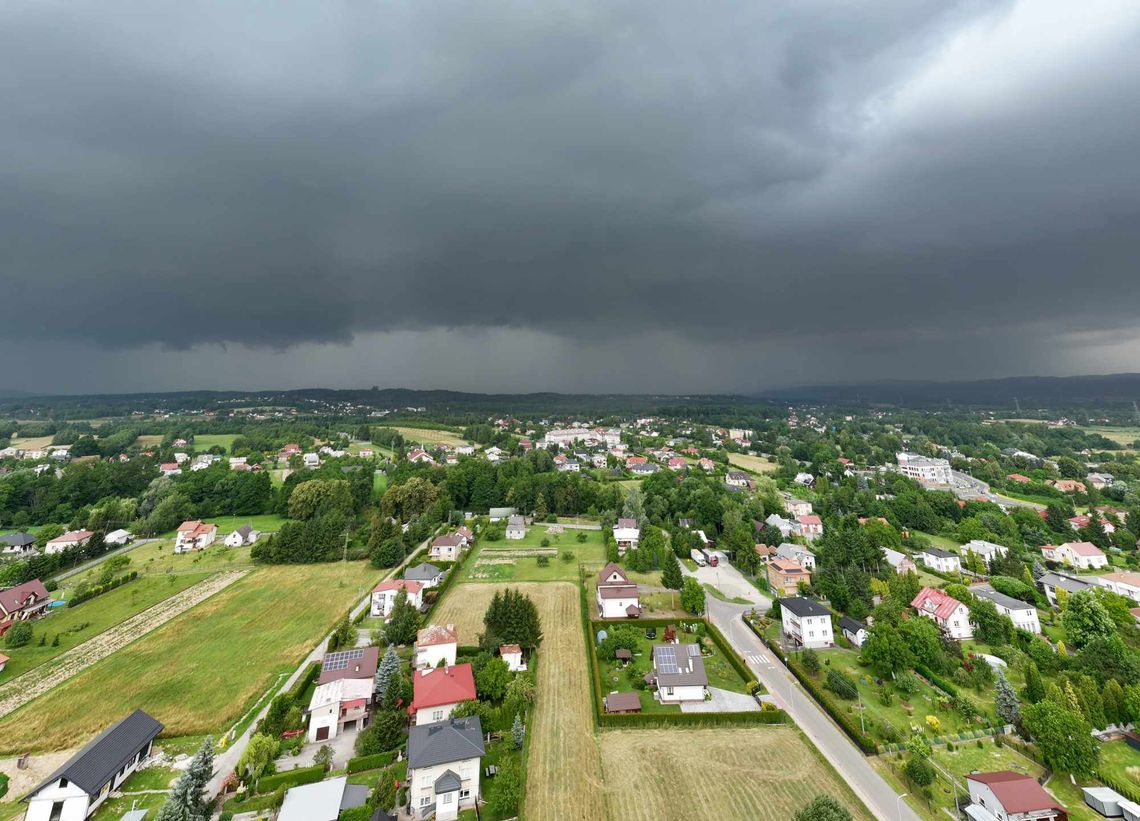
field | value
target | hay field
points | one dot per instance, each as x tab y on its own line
31	442
723	773
201	671
429	437
563	768
756	464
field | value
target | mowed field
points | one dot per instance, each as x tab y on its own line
31	442
431	437
1121	435
757	464
723	773
201	671
205	441
564	766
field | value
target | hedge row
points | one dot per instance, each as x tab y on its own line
304	680
448	580
1127	790
663	720
817	692
939	682
370	762
3	784
291	778
99	590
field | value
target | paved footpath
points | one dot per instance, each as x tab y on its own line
852	765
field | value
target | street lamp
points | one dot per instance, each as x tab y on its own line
898	804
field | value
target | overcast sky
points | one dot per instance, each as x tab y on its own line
574	195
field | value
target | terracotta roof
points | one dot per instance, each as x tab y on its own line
608	571
787	567
1017	792
437	634
443	685
943	604
450	540
1124	577
809	519
1085	549
631	524
72	536
509	649
398	584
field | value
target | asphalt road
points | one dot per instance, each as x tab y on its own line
967	487
882	801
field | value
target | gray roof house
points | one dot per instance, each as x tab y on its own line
443	766
322	801
18	541
500	513
106	761
427	574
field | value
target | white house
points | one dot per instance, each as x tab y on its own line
384	596
436	644
117	538
516	527
941	560
1126	583
426	574
338	705
1023	615
512	654
73	538
194	535
447	548
854	631
797	507
497	514
77	789
1010	796
680	673
1082	555
444	762
806	622
243	536
626	534
923	468
987	550
617	596
901	562
736	478
951	616
781	524
438	691
1051	582
796	553
805	479
311	460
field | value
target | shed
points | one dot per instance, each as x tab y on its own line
1104	801
1131	810
623	703
623	655
134	815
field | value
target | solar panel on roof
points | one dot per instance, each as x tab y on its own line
694	650
342	658
666	660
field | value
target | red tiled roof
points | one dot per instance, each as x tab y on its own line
72	536
437	634
809	519
1016	792
443	685
944	603
398	584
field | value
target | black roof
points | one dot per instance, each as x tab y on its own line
804	607
22	539
939	552
106	754
445	741
848	623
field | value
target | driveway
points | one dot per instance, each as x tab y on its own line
723	701
728	580
342	747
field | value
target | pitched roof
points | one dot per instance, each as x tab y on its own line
623	703
1017	792
339	691
1084	548
938	602
509	649
449	540
679	665
849	624
443	742
985	591
72	536
22	539
435	634
107	753
447	782
398	584
443	685
809	519
939	553
13	598
1124	577
421	572
804	607
787	567
360	662
608	571
629	524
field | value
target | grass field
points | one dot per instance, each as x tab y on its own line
201	671
564	767
1124	435
159	558
75	625
430	437
723	773
205	441
756	464
940	541
265	522
31	442
486	566
1119	761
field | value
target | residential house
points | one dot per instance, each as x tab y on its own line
117	538
1126	583
436	692
737	478
805	479
1078	522
1010	796
322	801
339	705
680	674
3	662
71	539
704	463
901	562
626	535
289	451
644	469
1051	582
987	550
194	535
356	663
617	596
1068	485
599	461
806	622
1019	477
23	602
497	514
797	507
1023	615
512	654
951	616
78	788
170	469
447	548
494	454
15	545
781	524
428	575
569	466
1082	555
616	703
420	456
436	644
516	527
808	526
785	575
798	554
1100	480
854	631
444	762
242	537
924	468
384	596
941	560
677	463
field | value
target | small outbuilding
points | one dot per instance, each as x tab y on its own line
623	703
1104	801
623	655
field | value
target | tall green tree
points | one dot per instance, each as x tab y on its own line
671	576
1006	701
386	673
403	622
1063	737
823	808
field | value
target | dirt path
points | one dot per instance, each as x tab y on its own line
34	683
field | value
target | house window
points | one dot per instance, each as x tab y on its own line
464	794
437	715
811	634
668	691
448	797
63	783
425	801
56	811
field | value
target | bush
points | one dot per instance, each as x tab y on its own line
841	684
810	660
370	762
386	732
290	778
919	771
18	635
361	813
3	784
86	593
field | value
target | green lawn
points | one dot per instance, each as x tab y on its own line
202	671
489	564
205	441
716	594
159	558
940	541
1121	763
265	522
75	625
379	483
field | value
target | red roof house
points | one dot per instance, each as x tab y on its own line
1014	796
436	692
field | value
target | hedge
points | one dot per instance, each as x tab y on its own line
939	682
448	580
291	778
370	762
3	784
99	590
304	680
663	720
1127	790
362	813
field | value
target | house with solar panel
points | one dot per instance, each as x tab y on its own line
679	673
77	789
342	699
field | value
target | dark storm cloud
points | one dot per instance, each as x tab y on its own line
845	176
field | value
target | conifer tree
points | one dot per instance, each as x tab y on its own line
518	732
671	577
1006	701
386	673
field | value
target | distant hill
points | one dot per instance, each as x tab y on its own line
1054	391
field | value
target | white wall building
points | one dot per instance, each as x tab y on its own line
1023	615
444	761
941	560
339	705
806	622
924	468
